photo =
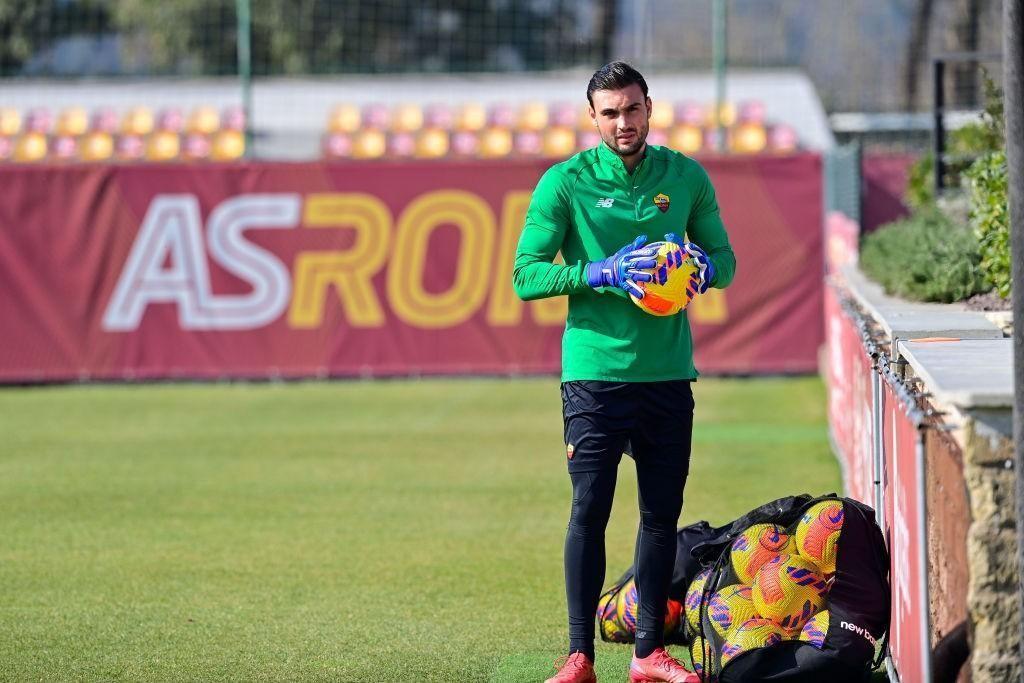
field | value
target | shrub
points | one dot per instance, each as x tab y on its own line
990	217
925	257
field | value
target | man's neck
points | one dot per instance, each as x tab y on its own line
633	160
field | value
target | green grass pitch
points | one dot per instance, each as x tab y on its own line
341	531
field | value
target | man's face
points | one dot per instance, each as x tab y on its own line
622	118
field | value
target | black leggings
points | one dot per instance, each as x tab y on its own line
661	500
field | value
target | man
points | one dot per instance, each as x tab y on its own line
625	374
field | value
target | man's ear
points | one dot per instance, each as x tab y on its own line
650	107
593	114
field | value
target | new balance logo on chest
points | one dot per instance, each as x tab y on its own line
605	203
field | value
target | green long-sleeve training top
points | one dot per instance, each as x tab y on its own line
588	207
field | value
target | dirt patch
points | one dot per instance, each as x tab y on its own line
989	301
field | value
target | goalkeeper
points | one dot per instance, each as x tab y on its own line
626	374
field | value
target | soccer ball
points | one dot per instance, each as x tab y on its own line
618	617
815	629
673	616
627	606
757	545
789	590
691	606
730	607
612	627
817	534
670	290
701	654
750	635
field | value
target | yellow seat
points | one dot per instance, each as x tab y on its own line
432	143
73	122
30	147
369	144
228	145
495	143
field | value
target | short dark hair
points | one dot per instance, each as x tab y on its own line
614	76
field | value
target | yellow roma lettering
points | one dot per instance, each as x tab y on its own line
349	271
505	308
408	298
709	308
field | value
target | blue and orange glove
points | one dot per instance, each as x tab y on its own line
701	280
624	268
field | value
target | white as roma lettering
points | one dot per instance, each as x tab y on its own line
172	233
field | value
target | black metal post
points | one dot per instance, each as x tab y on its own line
939	132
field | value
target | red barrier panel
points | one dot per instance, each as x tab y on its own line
902	491
850	401
315	269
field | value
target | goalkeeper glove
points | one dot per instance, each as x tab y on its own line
701	280
624	268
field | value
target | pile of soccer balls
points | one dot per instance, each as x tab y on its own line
775	589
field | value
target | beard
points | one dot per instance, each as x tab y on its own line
627	150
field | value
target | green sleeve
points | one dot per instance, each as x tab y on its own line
534	276
705	229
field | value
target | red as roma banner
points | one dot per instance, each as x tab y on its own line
304	270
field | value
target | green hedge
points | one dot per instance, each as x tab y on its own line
926	257
990	217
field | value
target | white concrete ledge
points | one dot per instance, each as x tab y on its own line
903	319
967	373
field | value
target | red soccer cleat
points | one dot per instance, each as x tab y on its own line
657	667
576	669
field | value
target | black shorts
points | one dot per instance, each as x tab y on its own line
651	421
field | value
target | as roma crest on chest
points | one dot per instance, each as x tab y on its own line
661	201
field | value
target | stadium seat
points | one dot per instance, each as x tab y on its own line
376	117
686	138
533	117
170	120
662	115
588	138
751	111
6	147
471	117
10	122
197	146
495	143
369	144
233	118
657	137
138	121
748	138
563	114
438	116
64	147
432	143
501	115
96	145
39	120
783	138
559	141
72	122
30	147
163	145
228	145
130	147
407	118
527	143
401	145
465	143
689	113
338	145
345	118
203	120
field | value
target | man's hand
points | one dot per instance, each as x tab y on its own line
701	280
624	268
